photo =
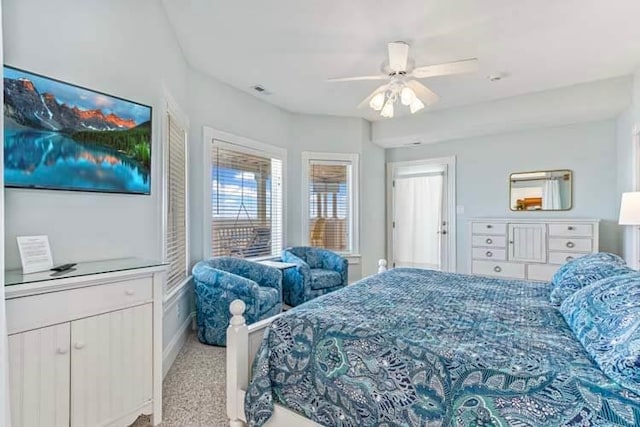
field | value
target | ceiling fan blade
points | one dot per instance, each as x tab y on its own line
449	68
425	94
367	100
398	56
355	79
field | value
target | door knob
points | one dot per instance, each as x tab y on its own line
62	350
79	345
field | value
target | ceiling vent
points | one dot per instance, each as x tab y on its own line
261	90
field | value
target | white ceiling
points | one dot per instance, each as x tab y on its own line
291	46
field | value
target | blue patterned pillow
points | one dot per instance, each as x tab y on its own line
605	317
583	271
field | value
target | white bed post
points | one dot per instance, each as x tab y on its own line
237	362
382	265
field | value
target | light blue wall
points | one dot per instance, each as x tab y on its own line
624	142
100	45
484	164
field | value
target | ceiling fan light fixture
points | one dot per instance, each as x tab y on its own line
377	102
387	110
416	105
407	96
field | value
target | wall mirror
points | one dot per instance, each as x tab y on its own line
541	191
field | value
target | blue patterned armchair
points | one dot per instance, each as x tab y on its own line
317	272
218	281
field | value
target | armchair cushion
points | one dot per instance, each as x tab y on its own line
322	279
314	258
219	281
318	271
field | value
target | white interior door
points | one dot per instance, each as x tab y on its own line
420	215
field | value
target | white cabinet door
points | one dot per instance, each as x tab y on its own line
111	365
39	363
528	242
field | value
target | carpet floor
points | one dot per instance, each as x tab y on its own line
194	393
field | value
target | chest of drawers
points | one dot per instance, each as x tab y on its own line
529	249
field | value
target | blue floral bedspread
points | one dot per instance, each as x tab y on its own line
423	348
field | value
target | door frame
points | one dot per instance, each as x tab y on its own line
450	162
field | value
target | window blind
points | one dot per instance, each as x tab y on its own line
246	202
176	231
329	204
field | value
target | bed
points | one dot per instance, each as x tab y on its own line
416	347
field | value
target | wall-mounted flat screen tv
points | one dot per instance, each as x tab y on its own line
60	136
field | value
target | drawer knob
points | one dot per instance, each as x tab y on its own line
489	226
570	228
489	241
130	292
570	244
79	345
497	269
569	258
62	350
489	254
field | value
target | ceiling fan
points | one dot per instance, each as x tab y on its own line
400	71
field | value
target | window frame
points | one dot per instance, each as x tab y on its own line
249	146
354	194
171	109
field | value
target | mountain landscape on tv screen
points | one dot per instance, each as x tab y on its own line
62	136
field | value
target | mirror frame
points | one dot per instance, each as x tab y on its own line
570	173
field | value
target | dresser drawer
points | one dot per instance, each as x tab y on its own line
541	272
498	269
490	253
37	311
492	228
570	244
571	230
489	241
560	258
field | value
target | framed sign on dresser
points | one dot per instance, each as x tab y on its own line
85	345
529	249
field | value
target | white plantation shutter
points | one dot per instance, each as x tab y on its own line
176	231
329	204
246	202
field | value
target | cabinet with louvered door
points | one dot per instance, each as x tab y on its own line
527	242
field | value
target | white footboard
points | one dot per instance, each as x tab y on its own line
243	342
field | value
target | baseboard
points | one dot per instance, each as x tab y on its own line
175	345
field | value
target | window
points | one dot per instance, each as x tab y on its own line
176	240
331	201
246	201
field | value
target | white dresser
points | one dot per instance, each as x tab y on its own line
85	347
529	249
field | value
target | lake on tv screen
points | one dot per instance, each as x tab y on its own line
60	136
